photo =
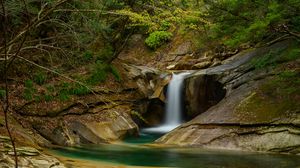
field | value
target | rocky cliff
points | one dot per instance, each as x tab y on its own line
259	108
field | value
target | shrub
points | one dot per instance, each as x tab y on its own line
79	90
99	73
87	56
40	78
157	38
2	93
105	54
28	94
28	84
29	90
293	54
63	94
48	97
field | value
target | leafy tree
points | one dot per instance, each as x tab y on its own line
242	21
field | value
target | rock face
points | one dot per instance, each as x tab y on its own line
29	154
260	111
41	161
93	119
85	130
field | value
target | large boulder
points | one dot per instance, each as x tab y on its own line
260	111
106	127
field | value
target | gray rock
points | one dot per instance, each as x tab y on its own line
250	116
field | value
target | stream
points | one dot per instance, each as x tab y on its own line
136	152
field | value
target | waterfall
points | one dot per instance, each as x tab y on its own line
173	114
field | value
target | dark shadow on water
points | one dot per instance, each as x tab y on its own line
139	155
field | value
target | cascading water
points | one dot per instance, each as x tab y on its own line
173	114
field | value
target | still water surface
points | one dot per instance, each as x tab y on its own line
134	153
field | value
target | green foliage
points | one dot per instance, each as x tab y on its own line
268	59
115	73
28	94
63	93
50	88
98	73
289	82
276	56
40	78
28	83
29	90
63	96
293	54
48	97
236	22
165	25
105	53
2	94
287	74
79	90
87	56
157	38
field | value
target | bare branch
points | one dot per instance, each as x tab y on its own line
6	106
33	23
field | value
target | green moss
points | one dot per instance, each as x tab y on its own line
268	59
292	53
277	56
275	98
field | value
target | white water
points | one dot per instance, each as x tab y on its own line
173	114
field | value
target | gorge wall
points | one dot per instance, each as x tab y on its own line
257	112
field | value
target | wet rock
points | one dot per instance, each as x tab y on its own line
256	114
201	93
155	112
